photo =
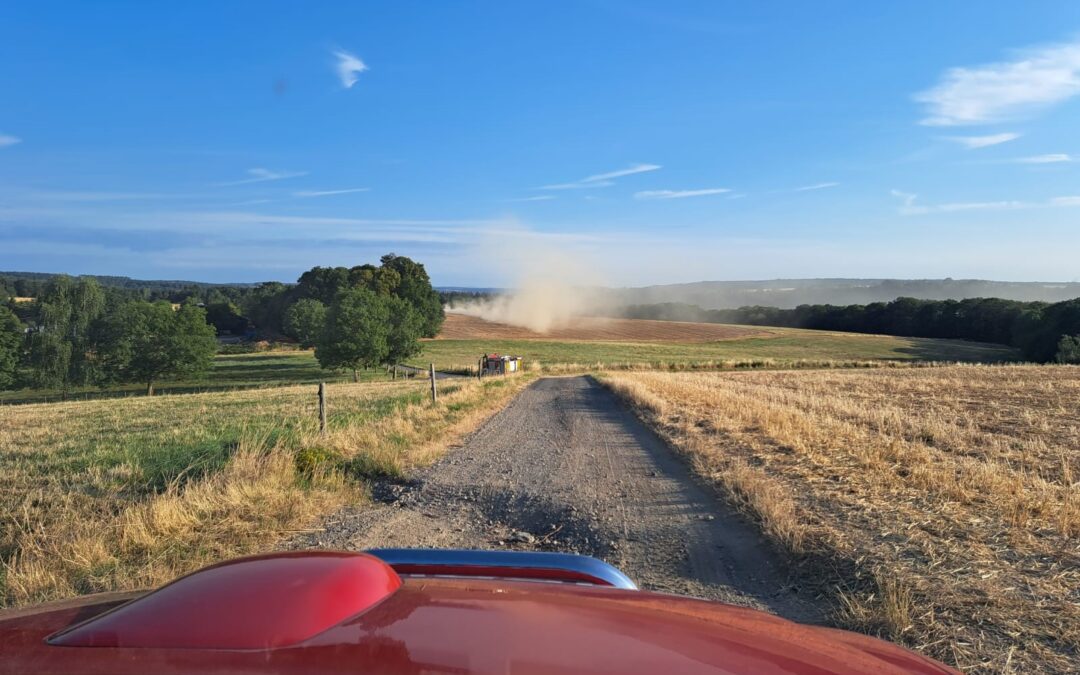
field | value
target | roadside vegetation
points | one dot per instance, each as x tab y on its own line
129	493
936	507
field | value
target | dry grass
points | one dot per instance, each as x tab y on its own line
129	493
937	507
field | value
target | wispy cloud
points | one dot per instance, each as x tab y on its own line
994	92
328	193
580	185
6	140
910	208
678	194
260	175
602	179
975	142
816	186
348	67
1052	158
628	171
538	198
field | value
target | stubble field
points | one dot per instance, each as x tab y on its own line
937	507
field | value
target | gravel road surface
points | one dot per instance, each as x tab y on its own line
566	467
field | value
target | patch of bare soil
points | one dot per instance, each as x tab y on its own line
464	327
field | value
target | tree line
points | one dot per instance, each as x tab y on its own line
79	333
1043	332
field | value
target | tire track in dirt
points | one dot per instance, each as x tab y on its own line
565	467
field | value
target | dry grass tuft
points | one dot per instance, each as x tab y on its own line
937	507
130	493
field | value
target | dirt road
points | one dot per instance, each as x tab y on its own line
565	467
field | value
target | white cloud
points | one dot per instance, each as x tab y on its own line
602	179
816	186
539	198
259	175
348	68
629	171
993	92
908	197
6	141
327	193
678	194
581	185
1065	201
1052	158
981	206
910	208
974	142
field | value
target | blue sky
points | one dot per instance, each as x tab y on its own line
645	142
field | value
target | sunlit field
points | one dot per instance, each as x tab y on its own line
937	507
130	492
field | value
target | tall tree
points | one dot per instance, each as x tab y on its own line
406	328
11	340
356	333
304	321
322	283
62	342
265	305
415	287
148	342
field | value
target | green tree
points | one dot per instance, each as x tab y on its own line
225	317
148	342
415	288
322	283
11	340
381	280
406	328
356	334
1069	349
61	347
304	321
265	305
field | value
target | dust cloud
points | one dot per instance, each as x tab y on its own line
551	288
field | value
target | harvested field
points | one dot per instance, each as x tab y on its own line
465	327
937	507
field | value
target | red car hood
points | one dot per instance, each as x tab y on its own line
431	625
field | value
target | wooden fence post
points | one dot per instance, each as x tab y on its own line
480	369
322	408
434	394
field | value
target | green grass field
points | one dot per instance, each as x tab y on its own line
787	345
129	492
230	371
271	369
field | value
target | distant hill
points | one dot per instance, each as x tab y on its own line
119	282
782	293
789	293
